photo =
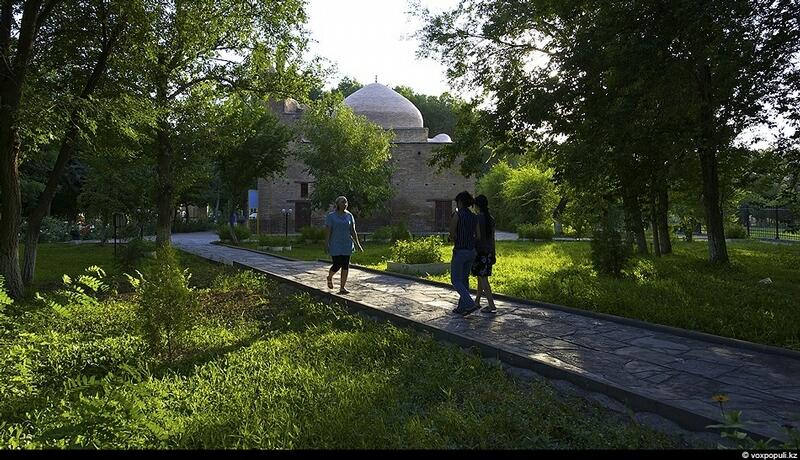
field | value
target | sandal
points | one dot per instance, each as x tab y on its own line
344	291
330	283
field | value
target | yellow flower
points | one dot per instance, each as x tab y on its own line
720	398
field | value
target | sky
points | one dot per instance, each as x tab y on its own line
365	38
369	38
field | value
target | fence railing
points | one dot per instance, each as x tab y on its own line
770	223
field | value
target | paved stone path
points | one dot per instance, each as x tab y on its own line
668	374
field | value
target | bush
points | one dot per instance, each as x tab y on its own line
166	303
133	252
419	251
274	240
610	252
224	232
735	231
535	231
180	226
55	230
392	233
315	234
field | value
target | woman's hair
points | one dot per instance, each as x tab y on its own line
465	198
338	200
483	204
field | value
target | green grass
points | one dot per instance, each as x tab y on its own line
681	290
264	369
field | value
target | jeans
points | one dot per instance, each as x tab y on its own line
460	266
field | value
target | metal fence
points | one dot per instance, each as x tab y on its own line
776	223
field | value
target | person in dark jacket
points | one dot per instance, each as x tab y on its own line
463	226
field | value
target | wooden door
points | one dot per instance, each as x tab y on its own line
442	213
302	215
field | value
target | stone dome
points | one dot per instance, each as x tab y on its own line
385	107
441	138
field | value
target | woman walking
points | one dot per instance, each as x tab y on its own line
485	258
341	240
463	226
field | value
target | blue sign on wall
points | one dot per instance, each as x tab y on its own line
252	199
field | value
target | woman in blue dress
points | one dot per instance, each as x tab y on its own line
341	240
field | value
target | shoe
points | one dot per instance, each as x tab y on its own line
489	309
330	283
469	310
344	291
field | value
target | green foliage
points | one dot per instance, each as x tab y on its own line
313	377
313	234
133	252
167	304
274	240
418	251
242	232
438	112
610	251
525	194
536	231
347	155
735	230
179	226
392	233
55	230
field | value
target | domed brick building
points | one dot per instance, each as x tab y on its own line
422	196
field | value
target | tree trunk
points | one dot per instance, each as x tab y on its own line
663	222
654	225
10	212
707	150
633	215
166	206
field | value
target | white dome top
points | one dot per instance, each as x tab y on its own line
385	107
441	138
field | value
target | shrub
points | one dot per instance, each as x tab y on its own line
314	234
166	302
274	240
419	251
392	233
180	226
535	231
609	251
241	231
735	231
133	252
55	230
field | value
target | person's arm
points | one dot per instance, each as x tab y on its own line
354	235
478	235
453	226
327	237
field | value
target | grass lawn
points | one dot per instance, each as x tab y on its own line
262	368
681	290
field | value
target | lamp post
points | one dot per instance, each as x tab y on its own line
286	213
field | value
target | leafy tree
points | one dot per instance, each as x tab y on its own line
191	45
438	112
638	84
251	143
347	155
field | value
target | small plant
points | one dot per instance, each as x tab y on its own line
166	302
535	231
733	425
133	252
419	251
314	234
241	231
735	231
274	241
392	233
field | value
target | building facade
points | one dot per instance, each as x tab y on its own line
423	197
